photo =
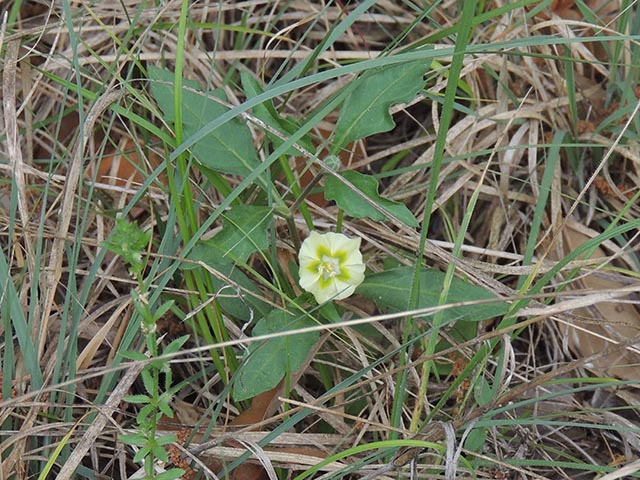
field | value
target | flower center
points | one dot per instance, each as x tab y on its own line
329	267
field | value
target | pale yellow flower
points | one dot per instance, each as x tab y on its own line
331	266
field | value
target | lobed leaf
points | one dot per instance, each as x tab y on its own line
353	204
366	109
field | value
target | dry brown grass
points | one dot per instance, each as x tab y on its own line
581	324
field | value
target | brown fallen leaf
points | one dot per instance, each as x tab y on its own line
565	9
122	166
261	407
605	10
601	327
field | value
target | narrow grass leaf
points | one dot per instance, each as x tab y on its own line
550	171
54	456
10	303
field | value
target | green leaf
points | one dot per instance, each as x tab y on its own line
129	241
166	439
149	382
160	453
227	149
235	302
145	414
366	109
165	408
476	440
137	439
131	355
482	391
391	290
244	231
141	454
172	474
137	399
270	116
175	345
353	204
162	310
266	362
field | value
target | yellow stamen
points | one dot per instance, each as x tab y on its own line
329	267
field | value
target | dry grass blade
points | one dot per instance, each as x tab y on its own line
11	125
97	426
54	269
627	470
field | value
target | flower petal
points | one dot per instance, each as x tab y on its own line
331	266
323	295
339	243
309	248
357	274
309	281
343	289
